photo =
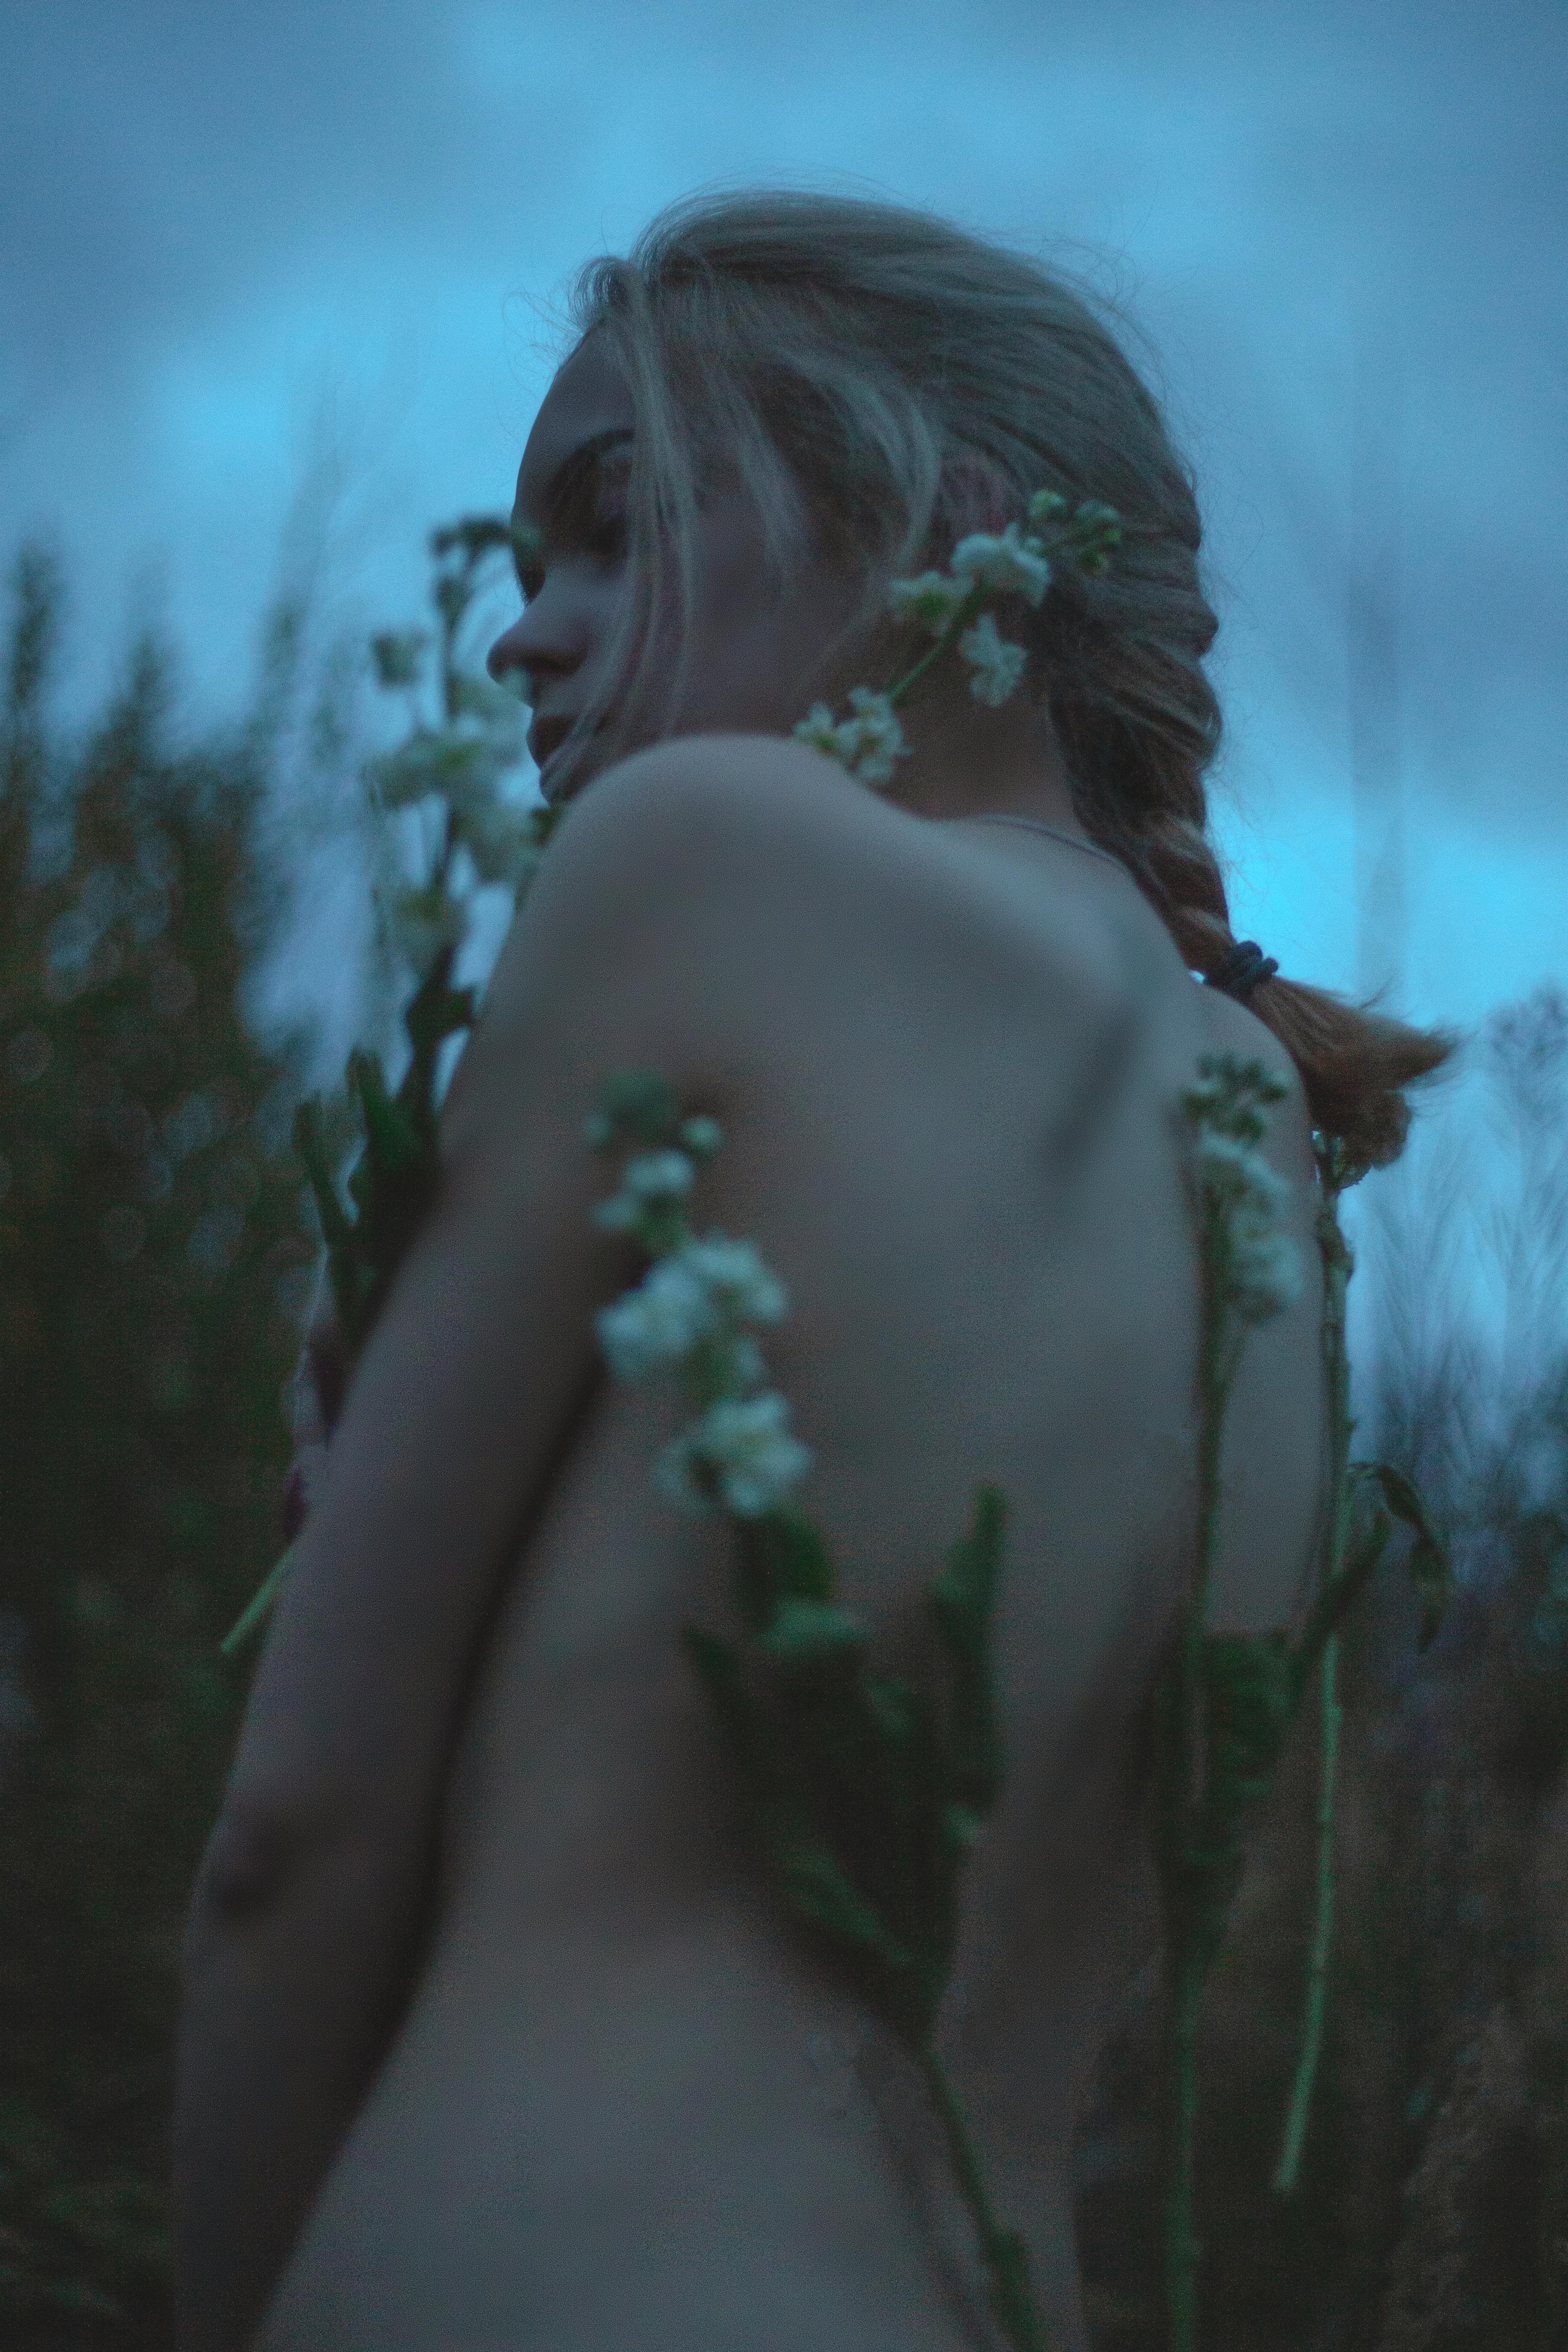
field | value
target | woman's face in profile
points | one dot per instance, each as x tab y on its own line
756	658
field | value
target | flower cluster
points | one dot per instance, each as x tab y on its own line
1253	1264
949	607
866	744
1005	566
453	774
690	1312
997	664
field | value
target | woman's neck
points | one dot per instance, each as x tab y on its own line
966	760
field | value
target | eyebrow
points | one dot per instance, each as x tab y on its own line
576	469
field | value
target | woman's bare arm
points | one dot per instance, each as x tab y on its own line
311	1897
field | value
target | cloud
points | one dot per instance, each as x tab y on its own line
232	216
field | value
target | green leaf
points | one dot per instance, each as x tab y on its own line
431	1024
779	1556
436	1012
818	1889
1362	1554
1431	1570
962	1601
799	1564
310	1149
963	1594
812	1633
393	1143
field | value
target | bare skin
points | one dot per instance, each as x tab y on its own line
557	2076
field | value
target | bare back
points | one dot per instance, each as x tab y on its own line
623	2108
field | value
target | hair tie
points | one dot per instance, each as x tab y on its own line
1243	968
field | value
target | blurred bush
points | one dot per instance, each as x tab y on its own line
154	1265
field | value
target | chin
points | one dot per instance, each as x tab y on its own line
564	786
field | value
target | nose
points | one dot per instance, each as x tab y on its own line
557	631
510	653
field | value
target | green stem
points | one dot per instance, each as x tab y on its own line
960	621
1181	2241
255	1609
1012	2299
1288	2167
1186	1969
1337	1268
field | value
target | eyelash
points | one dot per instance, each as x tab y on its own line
605	538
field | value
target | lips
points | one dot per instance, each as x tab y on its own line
546	737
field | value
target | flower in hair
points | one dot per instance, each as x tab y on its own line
1010	562
997	664
933	600
866	745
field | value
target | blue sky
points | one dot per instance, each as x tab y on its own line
319	239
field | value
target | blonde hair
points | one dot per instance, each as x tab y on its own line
870	371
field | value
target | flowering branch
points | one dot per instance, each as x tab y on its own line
452	775
1225	1701
950	604
863	1792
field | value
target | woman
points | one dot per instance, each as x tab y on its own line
492	2035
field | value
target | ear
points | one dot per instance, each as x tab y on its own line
976	494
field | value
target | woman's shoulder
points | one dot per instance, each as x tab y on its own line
775	825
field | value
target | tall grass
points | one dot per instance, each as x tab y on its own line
1432	2211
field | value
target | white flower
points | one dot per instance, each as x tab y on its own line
685	1299
1262	1263
659	1322
879	740
866	745
998	665
425	921
819	731
739	1456
650	1177
931	600
1001	565
1266	1272
464	760
658	1175
744	1289
702	1136
458	762
1233	1174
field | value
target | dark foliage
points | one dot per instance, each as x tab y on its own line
153	1257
